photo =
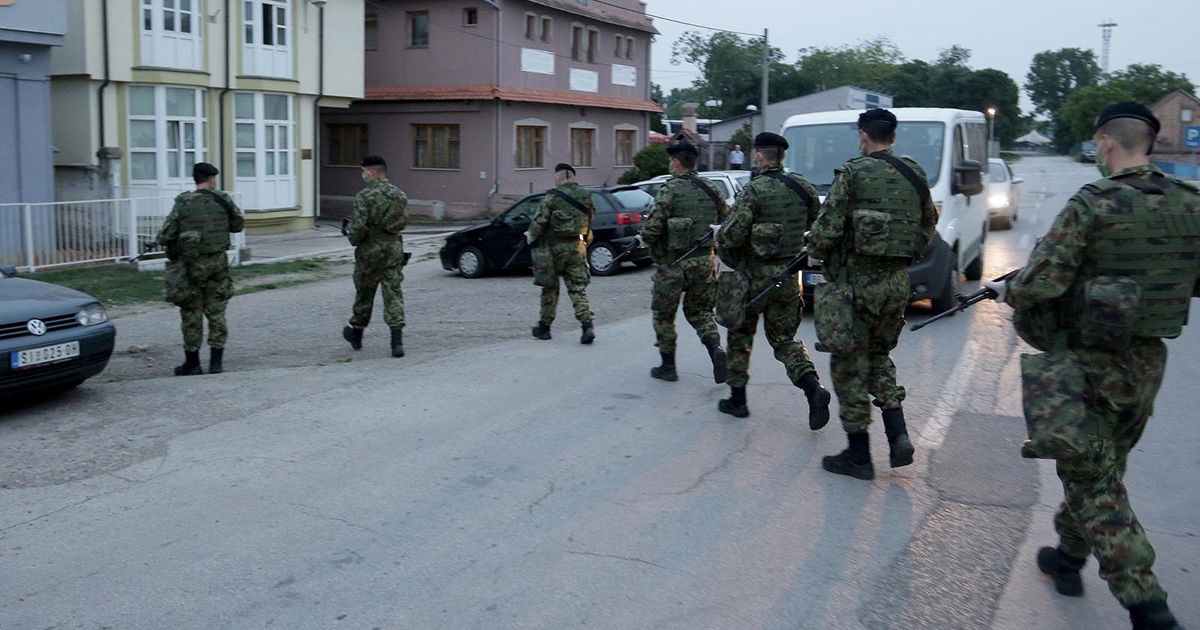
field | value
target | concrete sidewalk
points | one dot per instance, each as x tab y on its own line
326	240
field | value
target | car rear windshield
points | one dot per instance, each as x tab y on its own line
633	199
815	150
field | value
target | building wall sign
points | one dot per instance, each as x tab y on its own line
585	80
624	75
539	61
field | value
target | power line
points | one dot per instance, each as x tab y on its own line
667	19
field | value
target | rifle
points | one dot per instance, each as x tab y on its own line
151	248
520	246
792	268
632	246
966	301
700	242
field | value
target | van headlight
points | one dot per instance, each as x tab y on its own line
91	315
998	201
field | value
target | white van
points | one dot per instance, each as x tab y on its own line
951	145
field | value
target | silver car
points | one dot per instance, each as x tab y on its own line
1004	194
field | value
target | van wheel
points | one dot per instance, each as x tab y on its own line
948	298
974	271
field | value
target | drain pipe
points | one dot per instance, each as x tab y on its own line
221	104
496	101
107	74
316	152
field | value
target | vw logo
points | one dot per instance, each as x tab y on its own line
36	327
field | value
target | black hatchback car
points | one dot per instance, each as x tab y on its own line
500	243
51	337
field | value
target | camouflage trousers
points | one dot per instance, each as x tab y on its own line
369	275
780	311
569	262
1095	518
695	280
879	303
210	288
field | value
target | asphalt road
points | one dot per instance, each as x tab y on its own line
488	480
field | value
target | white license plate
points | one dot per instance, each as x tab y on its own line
814	279
48	354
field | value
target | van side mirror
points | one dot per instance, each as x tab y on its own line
968	178
8	271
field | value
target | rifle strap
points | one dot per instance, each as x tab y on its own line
908	173
805	196
571	200
219	199
708	190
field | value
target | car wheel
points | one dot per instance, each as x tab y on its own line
645	262
600	259
470	262
974	270
948	298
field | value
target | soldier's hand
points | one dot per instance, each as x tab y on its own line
641	242
999	288
528	237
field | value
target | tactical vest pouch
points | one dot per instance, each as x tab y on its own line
1110	305
543	267
1052	386
871	232
732	290
833	317
679	233
766	240
176	288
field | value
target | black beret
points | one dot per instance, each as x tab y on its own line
1127	109
204	169
877	116
683	147
563	166
767	139
374	160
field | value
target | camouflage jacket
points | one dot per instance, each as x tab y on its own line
380	214
832	232
733	240
540	225
204	220
674	194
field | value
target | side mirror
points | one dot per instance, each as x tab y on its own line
8	271
968	178
1017	180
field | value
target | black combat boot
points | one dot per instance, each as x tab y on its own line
541	331
1152	616
901	453
191	365
589	335
666	371
215	356
354	336
818	400
735	405
397	342
855	461
1064	569
720	360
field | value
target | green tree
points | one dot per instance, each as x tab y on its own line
656	120
867	64
744	137
1054	74
1144	83
731	67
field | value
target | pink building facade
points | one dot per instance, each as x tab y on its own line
472	103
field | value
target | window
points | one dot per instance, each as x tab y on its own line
625	140
576	42
470	17
347	144
166	134
435	146
546	28
1185	115
530	25
593	43
266	34
583	143
629	48
171	34
265	157
531	142
371	32
418	28
620	47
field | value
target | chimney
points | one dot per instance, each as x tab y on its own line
689	117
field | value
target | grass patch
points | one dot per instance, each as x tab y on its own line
123	285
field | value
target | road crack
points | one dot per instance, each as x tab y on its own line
549	491
615	557
724	463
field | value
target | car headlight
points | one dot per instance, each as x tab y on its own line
998	201
91	315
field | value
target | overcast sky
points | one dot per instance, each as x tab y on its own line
1001	35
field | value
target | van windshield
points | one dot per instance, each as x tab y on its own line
815	150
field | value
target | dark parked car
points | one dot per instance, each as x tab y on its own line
51	337
478	249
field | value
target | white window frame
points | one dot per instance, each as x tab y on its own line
167	128
164	44
273	182
259	58
571	128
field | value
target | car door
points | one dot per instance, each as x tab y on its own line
507	234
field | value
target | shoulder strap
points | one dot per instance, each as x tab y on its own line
571	200
219	199
708	190
907	172
779	176
1155	185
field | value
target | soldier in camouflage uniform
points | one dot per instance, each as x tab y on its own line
679	221
1136	224
380	214
560	232
764	232
874	224
196	235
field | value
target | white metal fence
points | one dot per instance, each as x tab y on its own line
37	236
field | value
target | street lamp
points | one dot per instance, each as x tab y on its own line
991	114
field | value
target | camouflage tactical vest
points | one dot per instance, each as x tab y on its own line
779	206
1153	239
886	215
567	221
695	206
201	213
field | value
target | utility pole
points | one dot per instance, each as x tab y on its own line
766	79
1106	37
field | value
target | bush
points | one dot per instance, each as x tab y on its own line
651	161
